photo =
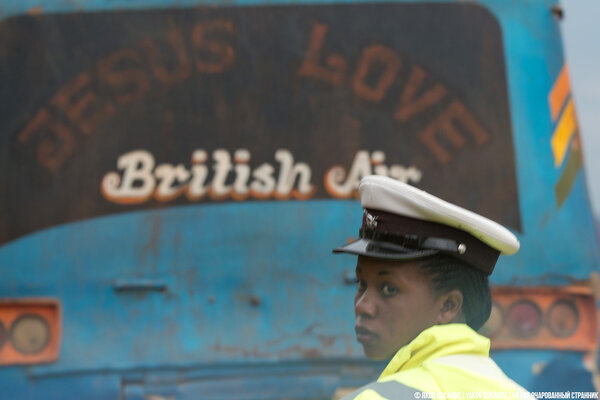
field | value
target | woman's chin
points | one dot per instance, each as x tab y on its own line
376	354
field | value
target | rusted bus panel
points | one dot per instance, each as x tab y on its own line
179	179
236	113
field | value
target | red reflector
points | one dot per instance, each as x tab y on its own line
524	319
563	318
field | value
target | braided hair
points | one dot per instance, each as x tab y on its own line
448	273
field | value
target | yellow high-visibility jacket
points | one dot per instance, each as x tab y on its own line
445	361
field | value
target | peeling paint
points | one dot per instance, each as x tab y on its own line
38	10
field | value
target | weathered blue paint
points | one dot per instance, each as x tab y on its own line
220	320
206	311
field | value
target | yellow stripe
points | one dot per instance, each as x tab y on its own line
563	134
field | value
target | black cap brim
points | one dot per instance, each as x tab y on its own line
384	250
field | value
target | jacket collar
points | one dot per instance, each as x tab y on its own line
438	341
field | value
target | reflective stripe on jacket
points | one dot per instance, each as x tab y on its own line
449	361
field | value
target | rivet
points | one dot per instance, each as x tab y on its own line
255	301
462	248
558	12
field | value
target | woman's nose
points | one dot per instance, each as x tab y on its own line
364	305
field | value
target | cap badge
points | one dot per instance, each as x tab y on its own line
370	220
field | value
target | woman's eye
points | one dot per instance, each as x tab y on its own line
388	290
360	285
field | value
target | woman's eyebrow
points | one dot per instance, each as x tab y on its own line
384	272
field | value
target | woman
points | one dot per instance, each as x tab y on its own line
423	292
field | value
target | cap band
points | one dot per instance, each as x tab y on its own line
412	241
410	234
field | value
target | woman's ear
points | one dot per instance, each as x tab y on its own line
449	306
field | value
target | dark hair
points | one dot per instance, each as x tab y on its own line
448	273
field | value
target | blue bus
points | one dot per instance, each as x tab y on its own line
174	175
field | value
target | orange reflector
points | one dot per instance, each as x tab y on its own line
30	331
562	317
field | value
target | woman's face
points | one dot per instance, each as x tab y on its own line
394	302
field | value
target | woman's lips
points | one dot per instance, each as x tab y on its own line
363	335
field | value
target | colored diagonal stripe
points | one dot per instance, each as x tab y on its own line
559	93
567	179
563	134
